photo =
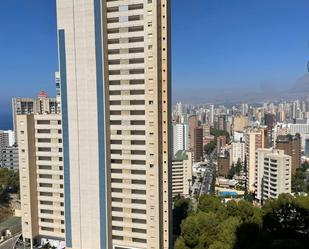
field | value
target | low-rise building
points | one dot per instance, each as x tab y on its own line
182	173
9	157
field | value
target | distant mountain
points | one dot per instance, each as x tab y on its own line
234	96
301	85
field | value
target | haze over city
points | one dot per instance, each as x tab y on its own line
223	51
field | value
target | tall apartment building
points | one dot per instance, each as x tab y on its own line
307	148
221	142
41	179
272	174
58	91
254	139
40	105
115	88
291	145
193	123
198	144
182	173
180	137
211	115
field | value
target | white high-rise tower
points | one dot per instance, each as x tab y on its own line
115	87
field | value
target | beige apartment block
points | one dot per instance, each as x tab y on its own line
182	173
254	139
272	174
39	105
240	123
41	178
115	86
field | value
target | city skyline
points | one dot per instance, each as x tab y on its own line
226	28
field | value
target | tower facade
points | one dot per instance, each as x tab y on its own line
115	100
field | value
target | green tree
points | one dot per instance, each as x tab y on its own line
213	182
209	148
238	167
180	212
9	183
300	180
287	216
209	203
217	133
231	172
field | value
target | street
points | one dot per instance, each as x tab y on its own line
207	179
10	243
203	187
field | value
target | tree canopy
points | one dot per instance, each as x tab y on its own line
9	183
280	223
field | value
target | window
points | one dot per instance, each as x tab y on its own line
123	8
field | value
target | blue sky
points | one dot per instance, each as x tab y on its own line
217	44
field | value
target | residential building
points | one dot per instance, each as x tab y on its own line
269	120
180	137
58	91
41	179
221	143
238	151
9	157
291	145
182	173
7	139
254	139
272	174
198	144
206	130
224	163
301	129
307	148
40	105
240	123
211	115
114	61
193	123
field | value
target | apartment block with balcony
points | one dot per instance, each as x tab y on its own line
115	96
272	174
41	179
182	173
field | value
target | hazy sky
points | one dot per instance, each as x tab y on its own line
217	44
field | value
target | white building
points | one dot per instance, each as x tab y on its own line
238	151
293	129
272	174
180	137
7	138
114	61
212	114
